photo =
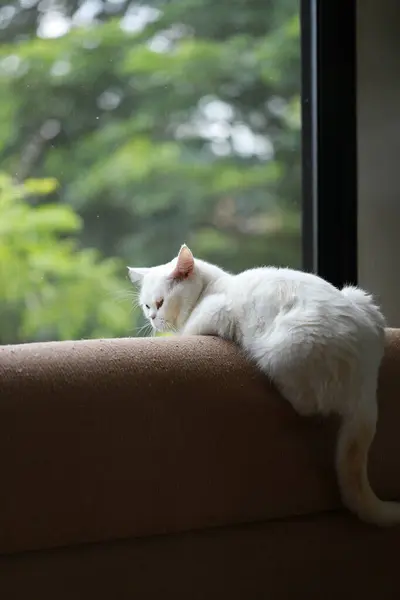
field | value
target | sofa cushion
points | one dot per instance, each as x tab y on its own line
108	439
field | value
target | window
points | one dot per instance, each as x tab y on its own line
129	128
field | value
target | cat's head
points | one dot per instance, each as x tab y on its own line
168	293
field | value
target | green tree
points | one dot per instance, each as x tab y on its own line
48	288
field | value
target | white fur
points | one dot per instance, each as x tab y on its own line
321	347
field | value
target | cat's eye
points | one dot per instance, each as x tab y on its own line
160	303
147	306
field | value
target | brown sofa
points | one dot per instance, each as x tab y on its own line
172	469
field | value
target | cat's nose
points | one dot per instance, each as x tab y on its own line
152	315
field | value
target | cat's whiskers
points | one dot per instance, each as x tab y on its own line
123	293
170	327
122	296
133	308
146	328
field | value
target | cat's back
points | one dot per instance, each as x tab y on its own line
293	299
263	294
282	283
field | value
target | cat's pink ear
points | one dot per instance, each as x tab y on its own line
184	265
136	274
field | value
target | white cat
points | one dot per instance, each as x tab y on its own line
320	346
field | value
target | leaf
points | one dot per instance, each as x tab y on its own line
41	187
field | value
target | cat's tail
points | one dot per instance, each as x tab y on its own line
354	440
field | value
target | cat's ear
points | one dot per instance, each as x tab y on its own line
184	264
136	274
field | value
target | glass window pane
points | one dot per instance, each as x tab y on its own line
127	129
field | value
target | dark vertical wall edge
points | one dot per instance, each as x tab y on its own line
307	146
329	149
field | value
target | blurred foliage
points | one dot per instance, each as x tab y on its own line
164	122
48	288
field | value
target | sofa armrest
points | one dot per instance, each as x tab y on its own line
108	439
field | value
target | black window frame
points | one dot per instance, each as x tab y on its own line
329	139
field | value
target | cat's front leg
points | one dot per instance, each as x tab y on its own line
208	319
198	327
